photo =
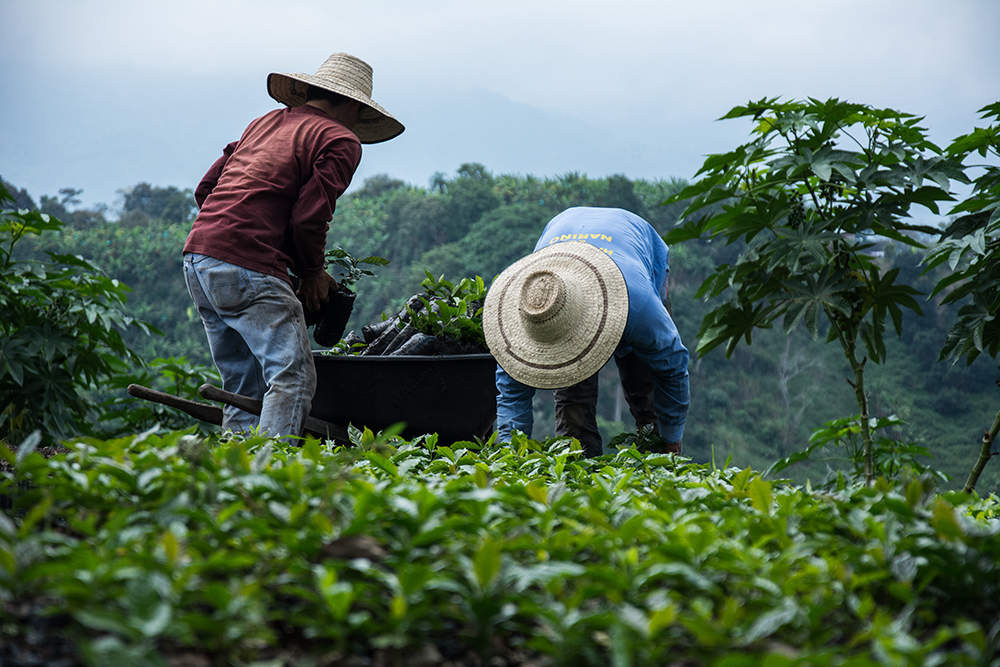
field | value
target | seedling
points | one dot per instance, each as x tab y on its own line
350	267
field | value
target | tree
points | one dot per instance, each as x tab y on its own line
469	196
59	207
377	185
621	194
78	218
144	201
439	182
414	223
818	180
19	197
502	237
60	333
971	246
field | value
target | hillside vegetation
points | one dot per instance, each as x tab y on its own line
761	404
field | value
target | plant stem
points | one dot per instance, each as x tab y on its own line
850	351
866	431
984	455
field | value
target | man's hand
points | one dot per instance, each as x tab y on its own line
316	292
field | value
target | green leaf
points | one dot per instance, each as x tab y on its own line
769	622
729	324
945	522
382	463
27	447
486	562
99	619
761	495
537	492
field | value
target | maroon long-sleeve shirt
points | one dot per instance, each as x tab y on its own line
267	202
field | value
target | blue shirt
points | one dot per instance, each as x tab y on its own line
650	333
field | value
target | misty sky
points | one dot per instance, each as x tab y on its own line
104	94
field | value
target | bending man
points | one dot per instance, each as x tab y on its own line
595	287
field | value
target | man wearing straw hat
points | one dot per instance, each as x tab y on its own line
594	287
265	208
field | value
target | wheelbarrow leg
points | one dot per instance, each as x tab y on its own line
315	426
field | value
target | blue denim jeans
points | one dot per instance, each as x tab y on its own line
257	333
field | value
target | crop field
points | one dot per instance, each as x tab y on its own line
177	549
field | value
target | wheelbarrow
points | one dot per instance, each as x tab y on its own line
453	396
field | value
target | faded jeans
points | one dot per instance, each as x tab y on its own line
257	333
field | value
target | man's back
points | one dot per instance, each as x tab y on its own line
266	203
625	237
630	241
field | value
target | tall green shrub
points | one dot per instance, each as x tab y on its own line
971	247
60	333
806	194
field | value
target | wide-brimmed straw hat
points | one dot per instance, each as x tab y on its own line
346	75
555	317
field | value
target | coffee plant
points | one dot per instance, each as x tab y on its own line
61	324
169	549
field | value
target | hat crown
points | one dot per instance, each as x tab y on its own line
554	317
542	296
547	306
347	70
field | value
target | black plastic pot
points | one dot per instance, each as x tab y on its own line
330	328
453	396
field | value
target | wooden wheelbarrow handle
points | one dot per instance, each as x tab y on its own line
203	411
213	414
314	425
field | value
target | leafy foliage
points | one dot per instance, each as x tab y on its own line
60	333
350	267
804	196
144	202
970	246
758	405
60	207
148	259
893	457
163	546
121	413
644	440
452	310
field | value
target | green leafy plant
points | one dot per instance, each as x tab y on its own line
841	440
163	548
452	310
60	333
123	413
805	195
350	267
644	440
970	245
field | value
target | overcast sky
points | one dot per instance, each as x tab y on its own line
104	94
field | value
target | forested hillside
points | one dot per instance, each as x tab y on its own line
759	405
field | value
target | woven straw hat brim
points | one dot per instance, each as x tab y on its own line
351	79
585	344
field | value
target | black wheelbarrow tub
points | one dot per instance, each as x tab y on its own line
454	396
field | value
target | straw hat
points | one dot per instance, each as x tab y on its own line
555	317
349	76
